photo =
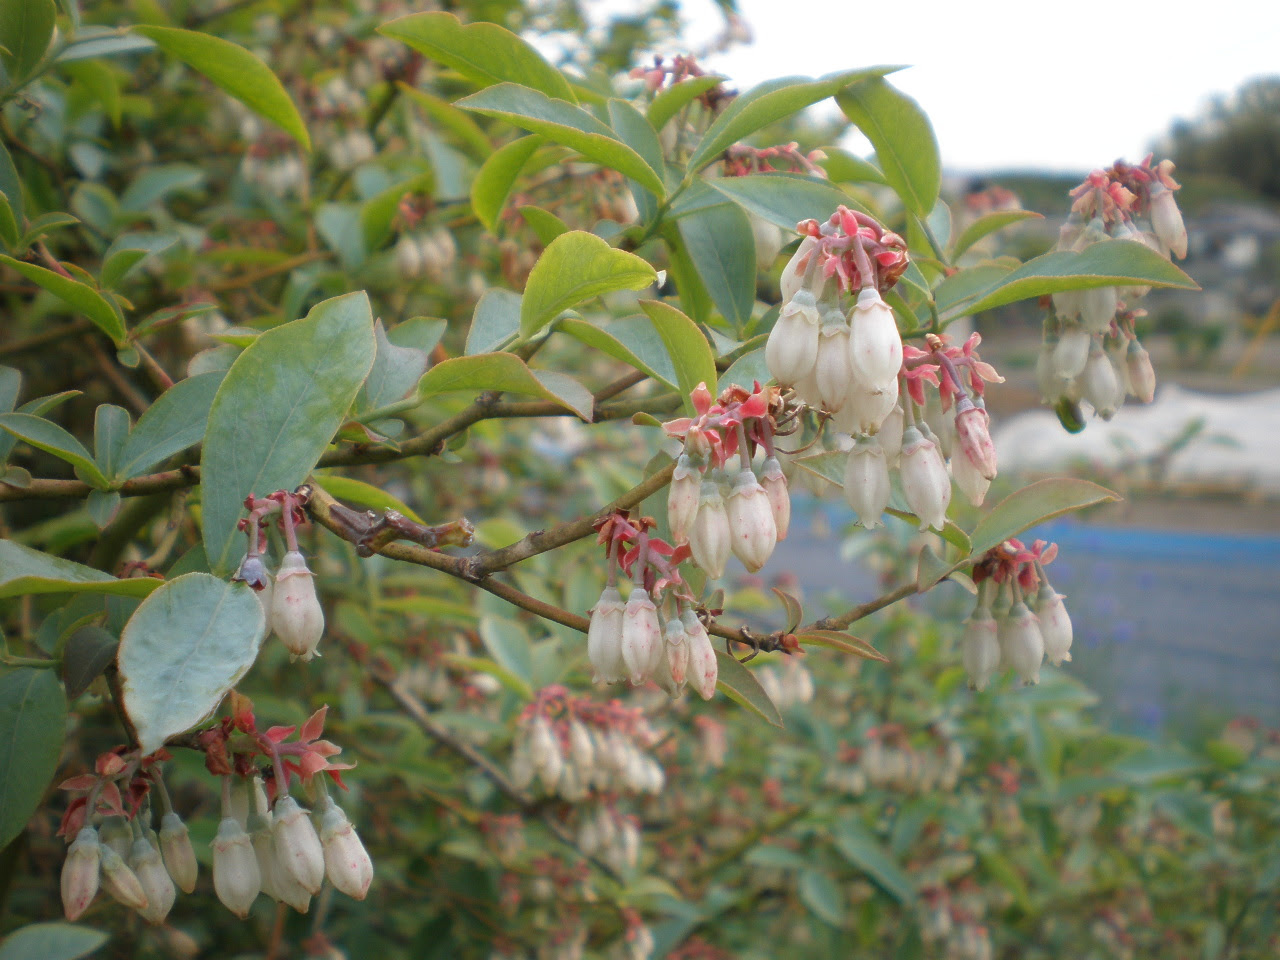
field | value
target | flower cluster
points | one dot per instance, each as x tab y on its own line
276	850
787	685
575	746
421	252
1090	351
1019	619
289	598
890	760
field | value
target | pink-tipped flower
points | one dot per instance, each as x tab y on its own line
980	648
682	499
297	847
874	342
236	879
121	882
296	615
974	436
866	481
792	348
604	637
80	873
1142	375
641	636
775	487
1099	384
179	856
673	665
1055	624
1021	643
752	532
153	878
833	370
925	482
346	861
703	669
1166	221
793	274
709	536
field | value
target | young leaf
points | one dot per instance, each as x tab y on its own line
495	322
111	425
236	71
544	223
820	894
365	495
469	135
23	570
566	124
83	297
738	684
484	53
844	642
720	243
576	267
10	185
379	212
26	27
51	438
688	348
174	422
505	373
281	403
905	145
493	183
396	371
33	719
51	941
1041	501
183	649
9	231
89	651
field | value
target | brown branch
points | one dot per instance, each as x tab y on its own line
863	610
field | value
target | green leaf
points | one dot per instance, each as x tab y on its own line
378	213
989	224
484	665
236	71
846	643
1107	263
739	684
51	941
843	167
544	223
722	247
45	224
819	893
468	133
186	645
505	373
906	148
633	340
83	297
575	267
747	369
966	285
495	322
768	103
10	184
856	843
277	409
492	184
365	495
33	719
111	425
51	438
174	422
686	345
26	26
89	651
396	371
783	199
9	231
23	570
1041	501
678	96
636	132
566	124
509	645
484	53
153	185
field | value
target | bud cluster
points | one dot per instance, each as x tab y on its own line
1019	618
1090	351
426	253
890	761
575	747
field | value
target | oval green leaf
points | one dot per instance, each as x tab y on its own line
678	96
51	941
493	183
277	409
174	422
1041	501
365	495
83	297
506	373
783	199
906	148
989	224
33	719
24	570
738	684
48	436
633	340
689	350
575	267
495	321
722	247
26	27
859	847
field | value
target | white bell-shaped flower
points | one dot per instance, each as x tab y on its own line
792	348
703	668
346	862
1071	353
709	537
874	342
296	615
980	648
1142	375
179	856
775	487
641	636
768	239
1098	308
121	882
1021	643
866	481
683	498
236	879
154	879
1055	624
297	846
1100	385
889	436
925	482
833	370
1166	221
752	532
80	873
604	637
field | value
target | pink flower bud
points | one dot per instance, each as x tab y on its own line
971	483
682	499
752	531
673	665
297	848
1098	308
1166	221
768	238
1021	643
874	342
346	861
775	487
866	481
296	616
833	370
80	873
792	347
980	648
1071	353
703	668
925	482
709	536
641	636
121	882
1142	375
604	637
179	857
154	879
975	438
1055	624
1099	384
889	435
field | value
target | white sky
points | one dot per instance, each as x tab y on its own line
1016	83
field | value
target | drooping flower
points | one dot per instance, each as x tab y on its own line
925	482
604	637
752	532
80	873
296	615
236	879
